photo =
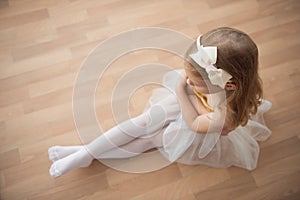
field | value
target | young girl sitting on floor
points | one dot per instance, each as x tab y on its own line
211	113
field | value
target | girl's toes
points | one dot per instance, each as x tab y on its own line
54	172
53	154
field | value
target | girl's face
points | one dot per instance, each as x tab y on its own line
197	82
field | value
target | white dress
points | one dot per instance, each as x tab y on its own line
239	148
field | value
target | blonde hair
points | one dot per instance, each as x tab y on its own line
238	55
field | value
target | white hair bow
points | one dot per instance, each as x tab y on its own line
206	57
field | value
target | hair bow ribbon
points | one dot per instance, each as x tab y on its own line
206	58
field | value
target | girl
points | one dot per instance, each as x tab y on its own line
211	115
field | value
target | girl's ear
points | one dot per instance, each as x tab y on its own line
230	86
189	82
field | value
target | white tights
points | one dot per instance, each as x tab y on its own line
128	139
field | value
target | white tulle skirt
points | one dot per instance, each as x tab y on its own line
238	148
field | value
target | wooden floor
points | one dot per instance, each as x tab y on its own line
43	43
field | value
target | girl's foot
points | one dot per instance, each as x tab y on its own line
78	159
59	152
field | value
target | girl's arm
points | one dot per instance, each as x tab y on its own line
197	123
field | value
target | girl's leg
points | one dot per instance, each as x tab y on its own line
82	158
143	125
117	136
59	152
135	147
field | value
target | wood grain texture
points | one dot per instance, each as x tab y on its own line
42	46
